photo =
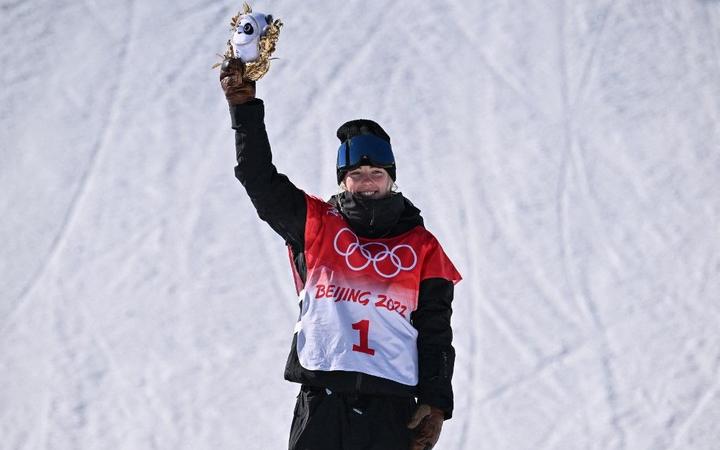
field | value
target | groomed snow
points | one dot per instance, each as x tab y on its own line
566	154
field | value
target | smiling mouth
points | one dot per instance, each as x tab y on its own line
367	193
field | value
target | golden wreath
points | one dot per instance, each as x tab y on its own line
254	70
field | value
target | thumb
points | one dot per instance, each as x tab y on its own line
232	68
232	64
421	412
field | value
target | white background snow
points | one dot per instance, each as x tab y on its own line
566	154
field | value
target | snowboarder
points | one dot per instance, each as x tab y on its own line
372	345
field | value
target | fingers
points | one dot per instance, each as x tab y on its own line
234	68
231	80
418	445
237	90
232	64
422	443
427	423
239	94
421	412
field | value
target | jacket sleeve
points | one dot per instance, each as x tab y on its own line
436	355
277	201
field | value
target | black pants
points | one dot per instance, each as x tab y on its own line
326	420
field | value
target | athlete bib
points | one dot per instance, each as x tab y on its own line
359	294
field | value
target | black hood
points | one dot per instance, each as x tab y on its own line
385	217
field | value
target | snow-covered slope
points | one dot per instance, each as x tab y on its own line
566	154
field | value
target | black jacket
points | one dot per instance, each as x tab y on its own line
282	205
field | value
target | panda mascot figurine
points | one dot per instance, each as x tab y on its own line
246	39
253	40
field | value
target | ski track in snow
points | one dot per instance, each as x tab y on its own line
75	206
591	59
701	404
572	160
473	353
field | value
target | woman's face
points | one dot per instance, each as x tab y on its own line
368	182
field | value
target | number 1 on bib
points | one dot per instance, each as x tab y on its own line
364	328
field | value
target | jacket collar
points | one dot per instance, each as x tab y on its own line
385	217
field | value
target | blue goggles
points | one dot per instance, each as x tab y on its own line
365	148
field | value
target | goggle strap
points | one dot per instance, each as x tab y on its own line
347	152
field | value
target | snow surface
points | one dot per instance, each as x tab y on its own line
566	153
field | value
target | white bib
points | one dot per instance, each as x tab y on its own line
355	329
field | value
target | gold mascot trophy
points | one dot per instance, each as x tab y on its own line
253	40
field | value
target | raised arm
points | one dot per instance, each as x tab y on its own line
278	202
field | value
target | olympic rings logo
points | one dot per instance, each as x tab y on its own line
383	253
